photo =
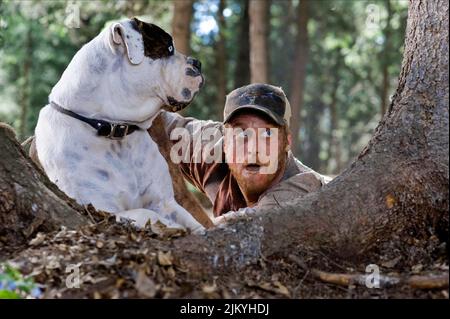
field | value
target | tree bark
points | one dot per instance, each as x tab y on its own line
393	197
259	26
181	25
299	74
29	202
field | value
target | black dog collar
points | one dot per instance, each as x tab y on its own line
113	131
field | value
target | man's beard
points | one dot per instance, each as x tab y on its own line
253	183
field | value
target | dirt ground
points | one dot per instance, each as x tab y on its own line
117	261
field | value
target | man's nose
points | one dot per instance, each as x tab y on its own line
195	63
252	145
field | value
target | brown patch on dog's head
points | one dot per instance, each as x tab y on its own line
157	42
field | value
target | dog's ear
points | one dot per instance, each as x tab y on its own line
124	34
157	42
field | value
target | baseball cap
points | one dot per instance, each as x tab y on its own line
259	97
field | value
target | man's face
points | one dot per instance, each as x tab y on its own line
255	151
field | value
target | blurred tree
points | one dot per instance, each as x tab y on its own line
334	148
299	73
358	31
25	90
181	25
221	59
242	72
385	60
310	154
259	28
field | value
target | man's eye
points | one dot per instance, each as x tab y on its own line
243	134
267	133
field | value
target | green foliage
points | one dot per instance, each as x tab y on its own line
346	42
14	286
346	46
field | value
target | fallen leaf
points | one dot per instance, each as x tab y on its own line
209	289
391	263
39	239
171	272
417	268
277	288
99	244
281	289
165	259
145	285
390	201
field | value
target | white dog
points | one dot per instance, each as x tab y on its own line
92	139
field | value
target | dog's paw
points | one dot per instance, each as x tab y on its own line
141	217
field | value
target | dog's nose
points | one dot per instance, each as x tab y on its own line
195	63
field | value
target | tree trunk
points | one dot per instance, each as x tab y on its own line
182	195
385	59
393	198
242	72
221	60
29	202
259	26
299	74
181	25
312	140
334	149
25	90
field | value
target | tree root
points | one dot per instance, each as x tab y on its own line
440	281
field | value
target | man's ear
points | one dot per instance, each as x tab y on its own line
289	145
122	33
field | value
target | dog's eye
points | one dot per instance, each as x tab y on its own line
170	48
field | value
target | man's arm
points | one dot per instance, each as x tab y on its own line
174	120
204	175
297	186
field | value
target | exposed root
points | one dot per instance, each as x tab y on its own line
440	281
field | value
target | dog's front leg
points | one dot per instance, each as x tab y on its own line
177	214
173	216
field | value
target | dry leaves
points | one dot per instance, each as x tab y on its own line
165	259
145	285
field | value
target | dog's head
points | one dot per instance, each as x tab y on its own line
147	55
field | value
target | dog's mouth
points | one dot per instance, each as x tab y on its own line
174	105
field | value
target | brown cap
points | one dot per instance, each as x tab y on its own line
264	98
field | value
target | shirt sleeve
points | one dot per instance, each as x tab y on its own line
295	187
197	145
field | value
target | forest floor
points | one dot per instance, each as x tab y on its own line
118	261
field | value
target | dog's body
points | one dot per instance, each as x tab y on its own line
120	77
